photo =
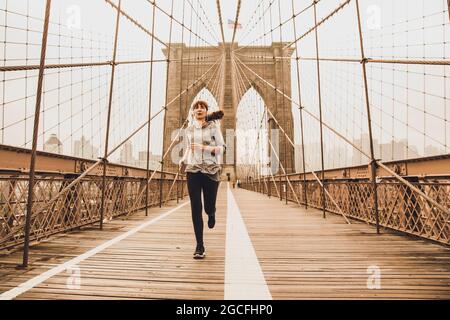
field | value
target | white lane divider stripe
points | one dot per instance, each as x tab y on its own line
244	279
24	287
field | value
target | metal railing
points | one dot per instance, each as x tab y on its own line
400	208
77	207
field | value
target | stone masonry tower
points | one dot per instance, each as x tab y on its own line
187	64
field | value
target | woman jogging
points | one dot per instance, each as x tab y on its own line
201	161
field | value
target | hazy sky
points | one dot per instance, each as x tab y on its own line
409	102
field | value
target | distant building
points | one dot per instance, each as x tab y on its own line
313	156
53	145
364	144
334	157
298	155
155	160
126	154
391	151
398	150
433	151
84	149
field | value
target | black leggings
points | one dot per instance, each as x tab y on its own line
196	183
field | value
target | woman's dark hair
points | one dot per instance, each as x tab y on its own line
216	115
200	103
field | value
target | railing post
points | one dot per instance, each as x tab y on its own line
178	189
282	189
161	186
320	109
281	184
269	132
37	112
182	188
373	163
306	190
150	105
285	188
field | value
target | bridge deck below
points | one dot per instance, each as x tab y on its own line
299	254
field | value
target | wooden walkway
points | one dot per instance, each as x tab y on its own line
300	254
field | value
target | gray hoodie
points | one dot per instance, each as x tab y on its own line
204	161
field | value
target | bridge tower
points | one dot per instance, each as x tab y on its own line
269	62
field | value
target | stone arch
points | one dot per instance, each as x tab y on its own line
194	95
246	139
180	76
257	87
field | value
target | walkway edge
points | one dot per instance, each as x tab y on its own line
24	287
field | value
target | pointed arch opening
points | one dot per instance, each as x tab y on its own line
252	145
205	95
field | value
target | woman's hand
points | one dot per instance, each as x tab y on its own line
181	166
200	147
197	146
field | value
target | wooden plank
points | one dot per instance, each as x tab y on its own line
304	256
155	263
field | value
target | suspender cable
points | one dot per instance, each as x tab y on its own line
292	144
318	24
285	174
240	73
133	21
180	111
278	26
150	105
251	18
186	107
219	12
172	18
236	22
100	161
373	162
201	20
319	96
197	46
302	134
186	121
275	76
428	62
35	136
108	121
163	157
266	89
381	164
256	23
282	97
169	54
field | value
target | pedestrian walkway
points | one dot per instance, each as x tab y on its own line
259	249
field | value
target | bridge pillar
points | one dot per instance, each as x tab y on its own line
189	63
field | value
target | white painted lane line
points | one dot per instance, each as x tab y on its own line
244	279
24	287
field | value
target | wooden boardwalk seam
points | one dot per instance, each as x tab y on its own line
302	256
